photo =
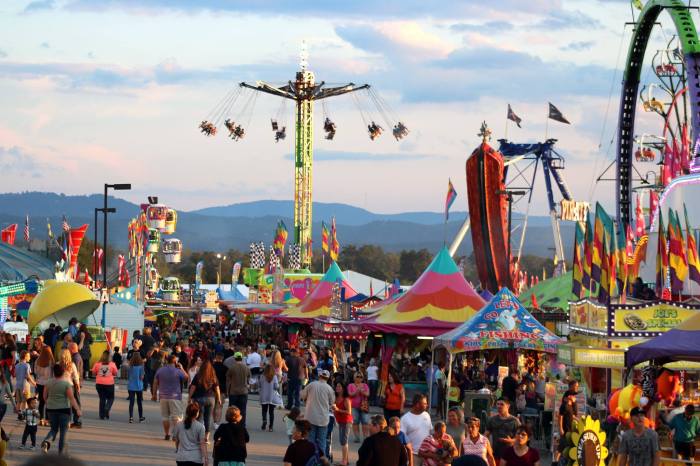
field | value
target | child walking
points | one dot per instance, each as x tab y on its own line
289	420
31	420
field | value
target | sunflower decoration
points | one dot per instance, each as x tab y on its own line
588	443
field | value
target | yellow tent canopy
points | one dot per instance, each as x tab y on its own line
58	302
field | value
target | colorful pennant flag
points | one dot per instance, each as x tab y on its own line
605	271
579	240
661	257
653	204
603	229
26	229
587	253
65	225
48	229
640	228
324	237
677	260
449	199
693	261
9	233
334	246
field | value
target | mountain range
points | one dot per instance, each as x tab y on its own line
237	225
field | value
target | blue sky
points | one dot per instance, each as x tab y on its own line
113	91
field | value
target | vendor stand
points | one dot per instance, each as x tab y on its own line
440	300
502	324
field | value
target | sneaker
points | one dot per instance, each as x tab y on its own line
45	446
22	446
141	419
32	448
131	420
167	437
76	425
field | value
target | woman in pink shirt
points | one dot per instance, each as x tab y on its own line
359	399
104	371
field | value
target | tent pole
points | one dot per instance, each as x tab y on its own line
449	381
429	380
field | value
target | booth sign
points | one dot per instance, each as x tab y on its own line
648	320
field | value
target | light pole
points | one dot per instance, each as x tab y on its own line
218	278
105	210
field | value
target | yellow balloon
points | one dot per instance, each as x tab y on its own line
629	398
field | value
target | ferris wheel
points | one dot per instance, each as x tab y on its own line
658	115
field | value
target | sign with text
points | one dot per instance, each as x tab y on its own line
574	211
653	319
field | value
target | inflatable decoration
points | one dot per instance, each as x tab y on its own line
668	386
613	404
587	443
628	399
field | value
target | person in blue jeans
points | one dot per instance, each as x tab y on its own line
135	385
319	398
59	397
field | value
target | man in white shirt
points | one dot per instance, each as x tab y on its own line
253	361
416	425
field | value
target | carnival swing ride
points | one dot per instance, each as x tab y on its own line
303	91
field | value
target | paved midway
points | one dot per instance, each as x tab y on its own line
116	442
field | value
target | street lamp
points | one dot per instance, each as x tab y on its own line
221	259
105	210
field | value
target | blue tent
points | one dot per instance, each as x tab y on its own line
502	324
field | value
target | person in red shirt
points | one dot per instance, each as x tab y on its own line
520	454
104	371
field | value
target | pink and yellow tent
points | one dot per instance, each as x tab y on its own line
439	301
317	303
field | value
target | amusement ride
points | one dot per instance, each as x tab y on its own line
303	91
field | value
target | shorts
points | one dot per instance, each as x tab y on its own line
343	433
171	409
359	417
685	449
22	393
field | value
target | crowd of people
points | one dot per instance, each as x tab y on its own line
330	397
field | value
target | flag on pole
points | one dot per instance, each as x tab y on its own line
577	282
653	204
26	229
513	117
693	261
661	257
556	115
449	199
638	4
640	229
334	246
8	234
605	272
48	228
602	230
66	226
587	253
324	237
677	259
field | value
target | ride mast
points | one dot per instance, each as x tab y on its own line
304	91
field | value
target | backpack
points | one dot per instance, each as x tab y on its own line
316	459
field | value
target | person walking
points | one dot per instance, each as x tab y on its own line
359	398
59	397
501	428
84	341
297	371
639	446
167	388
104	371
237	378
343	418
476	444
684	429
381	448
23	382
455	425
204	389
520	453
269	395
5	394
416	425
319	398
72	374
189	437
230	440
135	376
394	396
43	369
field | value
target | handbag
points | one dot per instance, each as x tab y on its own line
277	398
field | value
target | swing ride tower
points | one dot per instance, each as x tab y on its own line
304	91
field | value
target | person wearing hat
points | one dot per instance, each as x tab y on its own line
237	379
684	429
639	446
319	397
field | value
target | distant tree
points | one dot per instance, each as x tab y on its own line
412	263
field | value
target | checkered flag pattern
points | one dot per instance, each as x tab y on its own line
274	259
257	255
294	257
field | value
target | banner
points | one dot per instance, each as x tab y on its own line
9	233
659	318
198	275
235	273
76	239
